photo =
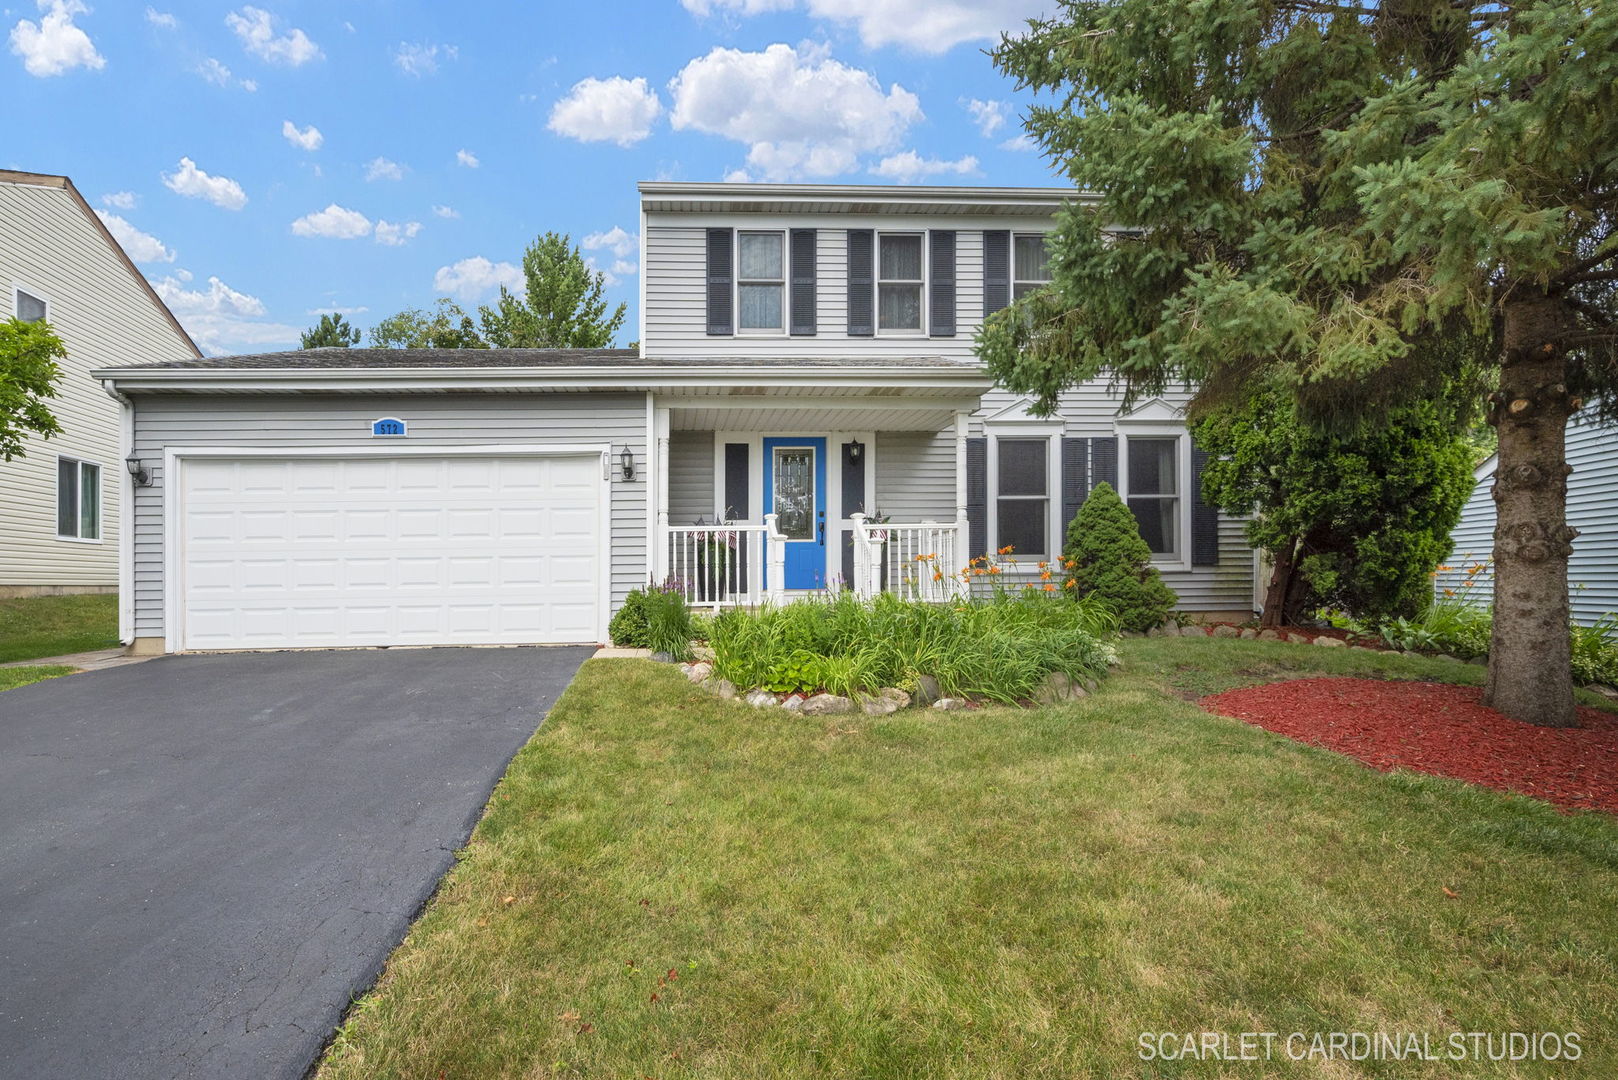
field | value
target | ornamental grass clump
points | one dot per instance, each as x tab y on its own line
999	649
1107	561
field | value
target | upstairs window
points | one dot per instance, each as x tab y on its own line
78	499
760	282
31	308
1030	264
899	282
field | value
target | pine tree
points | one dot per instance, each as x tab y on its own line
1106	558
331	332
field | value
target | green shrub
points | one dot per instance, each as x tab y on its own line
1595	653
628	628
1107	559
1000	648
668	624
1448	626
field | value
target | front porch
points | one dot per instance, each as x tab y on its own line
760	495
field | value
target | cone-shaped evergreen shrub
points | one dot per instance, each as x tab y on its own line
1107	558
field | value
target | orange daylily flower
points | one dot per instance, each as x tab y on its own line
1049	587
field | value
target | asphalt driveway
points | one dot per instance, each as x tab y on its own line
202	858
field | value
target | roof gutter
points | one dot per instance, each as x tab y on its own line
616	377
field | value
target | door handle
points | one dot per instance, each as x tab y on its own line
822	515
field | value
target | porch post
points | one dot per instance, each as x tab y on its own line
776	555
660	562
963	531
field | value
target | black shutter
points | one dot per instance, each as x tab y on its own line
861	283
1075	480
721	264
853	503
996	270
737	485
802	305
1104	462
941	287
977	497
1204	518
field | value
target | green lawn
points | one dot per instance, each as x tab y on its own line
37	626
13	677
667	885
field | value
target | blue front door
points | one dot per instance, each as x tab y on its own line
795	492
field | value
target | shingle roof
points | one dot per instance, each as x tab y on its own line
337	359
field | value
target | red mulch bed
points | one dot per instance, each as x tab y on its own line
1439	729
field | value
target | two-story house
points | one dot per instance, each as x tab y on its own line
59	511
804	411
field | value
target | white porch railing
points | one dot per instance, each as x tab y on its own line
723	565
918	561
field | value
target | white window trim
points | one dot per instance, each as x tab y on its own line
78	505
1015	280
16	303
1159	430
785	281
1031	428
877	279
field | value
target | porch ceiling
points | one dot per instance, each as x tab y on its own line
895	416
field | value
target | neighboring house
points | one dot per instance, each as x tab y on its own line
59	531
1592	508
805	408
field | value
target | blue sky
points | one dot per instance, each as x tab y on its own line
267	162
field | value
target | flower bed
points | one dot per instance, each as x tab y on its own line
1439	729
998	649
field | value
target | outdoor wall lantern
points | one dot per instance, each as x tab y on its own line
855	449
627	462
138	471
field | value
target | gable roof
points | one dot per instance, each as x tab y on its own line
46	180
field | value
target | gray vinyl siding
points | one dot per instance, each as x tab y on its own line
691	477
674	322
1592	508
163	421
50	248
915	476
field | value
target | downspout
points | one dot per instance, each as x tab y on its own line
126	514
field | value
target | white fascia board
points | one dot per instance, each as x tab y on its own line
626	377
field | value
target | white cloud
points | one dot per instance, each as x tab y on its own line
193	183
616	110
382	169
466	158
222	319
161	18
394	234
250	85
215	72
336	222
446	212
256	29
54	45
140	246
616	240
420	59
359	309
1020	143
801	113
738	176
309	138
471	279
931	26
989	116
910	166
119	200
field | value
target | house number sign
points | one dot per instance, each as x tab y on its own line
388	427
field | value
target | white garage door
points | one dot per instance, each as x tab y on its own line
316	552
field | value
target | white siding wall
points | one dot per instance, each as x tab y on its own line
52	250
691	476
1592	508
345	422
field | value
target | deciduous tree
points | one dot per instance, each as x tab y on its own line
447	326
29	375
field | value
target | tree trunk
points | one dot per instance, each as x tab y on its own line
1530	668
1275	594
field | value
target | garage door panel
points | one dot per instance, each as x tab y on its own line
390	551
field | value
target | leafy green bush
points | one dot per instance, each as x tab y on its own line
668	624
656	619
1447	626
1595	652
1000	648
1107	559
